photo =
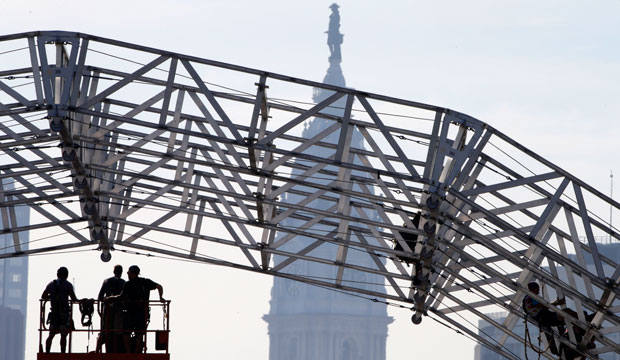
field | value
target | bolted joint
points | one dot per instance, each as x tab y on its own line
97	233
106	256
249	141
610	283
68	153
56	124
429	227
432	202
416	318
90	207
80	182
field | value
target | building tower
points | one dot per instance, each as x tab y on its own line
308	322
13	280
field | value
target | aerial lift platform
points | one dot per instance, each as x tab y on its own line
155	338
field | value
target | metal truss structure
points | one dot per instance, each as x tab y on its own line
115	145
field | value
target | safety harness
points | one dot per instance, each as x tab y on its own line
87	308
529	339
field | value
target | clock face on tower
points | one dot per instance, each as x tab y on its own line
293	288
360	279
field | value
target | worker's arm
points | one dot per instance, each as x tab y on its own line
559	302
160	290
72	295
101	292
46	294
115	297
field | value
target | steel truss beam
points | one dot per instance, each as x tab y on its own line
123	146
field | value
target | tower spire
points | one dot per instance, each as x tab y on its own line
308	322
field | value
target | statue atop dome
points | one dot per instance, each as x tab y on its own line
334	74
334	37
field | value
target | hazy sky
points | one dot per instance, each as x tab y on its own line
545	72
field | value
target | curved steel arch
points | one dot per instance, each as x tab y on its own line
121	145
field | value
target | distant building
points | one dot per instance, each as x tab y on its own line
607	248
307	322
13	288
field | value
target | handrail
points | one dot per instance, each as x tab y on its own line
162	331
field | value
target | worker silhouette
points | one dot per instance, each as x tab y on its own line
540	312
60	319
545	318
135	295
112	314
548	319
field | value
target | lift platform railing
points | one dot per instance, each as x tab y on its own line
93	334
